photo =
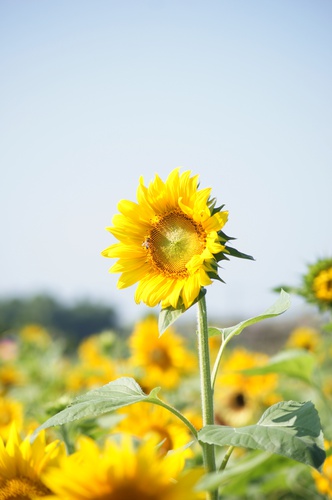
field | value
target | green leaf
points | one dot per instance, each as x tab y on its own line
168	315
256	475
296	363
289	428
117	394
279	307
235	253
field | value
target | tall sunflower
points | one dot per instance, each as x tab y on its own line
23	463
123	473
169	241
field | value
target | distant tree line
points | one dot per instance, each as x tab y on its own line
74	321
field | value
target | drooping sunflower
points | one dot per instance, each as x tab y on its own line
170	241
22	464
124	472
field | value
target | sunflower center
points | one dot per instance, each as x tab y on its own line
239	401
161	358
22	488
173	241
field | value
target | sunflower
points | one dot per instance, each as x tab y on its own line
316	285
322	285
304	337
35	334
162	358
22	463
323	479
10	411
145	420
239	398
123	473
170	241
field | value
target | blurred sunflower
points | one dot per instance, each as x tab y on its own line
170	241
35	334
316	285
163	359
323	479
10	376
239	397
235	407
145	420
89	374
10	411
23	463
304	337
123	473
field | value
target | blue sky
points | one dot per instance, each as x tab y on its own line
96	94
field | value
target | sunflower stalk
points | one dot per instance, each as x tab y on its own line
206	388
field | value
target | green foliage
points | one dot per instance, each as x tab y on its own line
168	315
289	428
77	321
279	307
295	363
110	397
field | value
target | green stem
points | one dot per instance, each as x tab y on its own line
175	412
206	388
217	362
226	457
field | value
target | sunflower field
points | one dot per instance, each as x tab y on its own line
160	414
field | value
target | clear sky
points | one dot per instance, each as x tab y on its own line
95	94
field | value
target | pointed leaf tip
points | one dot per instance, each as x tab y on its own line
289	428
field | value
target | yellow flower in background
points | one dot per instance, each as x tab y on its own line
22	463
317	284
323	480
169	241
35	334
304	337
10	411
322	285
88	375
234	407
10	376
121	472
241	359
238	397
164	359
96	347
146	420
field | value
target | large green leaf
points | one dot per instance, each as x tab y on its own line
117	394
296	363
289	428
110	397
279	307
